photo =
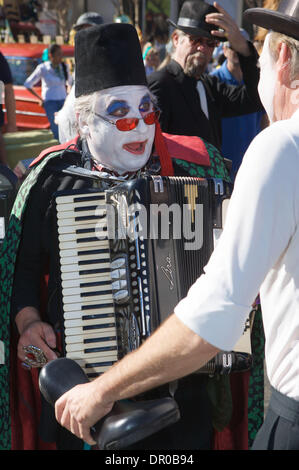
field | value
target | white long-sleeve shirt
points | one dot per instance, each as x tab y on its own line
53	85
257	252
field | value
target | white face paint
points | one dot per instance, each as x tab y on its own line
268	79
121	151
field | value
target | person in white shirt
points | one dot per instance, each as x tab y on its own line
258	252
55	78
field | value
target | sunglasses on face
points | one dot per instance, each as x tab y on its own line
194	40
128	124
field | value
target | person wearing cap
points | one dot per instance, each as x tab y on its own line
237	131
191	101
257	252
117	127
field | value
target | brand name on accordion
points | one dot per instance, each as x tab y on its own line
156	222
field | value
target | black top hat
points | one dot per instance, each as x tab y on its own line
285	20
192	19
107	56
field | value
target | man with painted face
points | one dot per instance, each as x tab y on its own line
191	101
258	252
117	126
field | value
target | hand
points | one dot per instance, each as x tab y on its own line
230	29
41	103
35	332
80	408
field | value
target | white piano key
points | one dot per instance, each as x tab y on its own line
77	299
86	251
73	331
91	257
91	227
86	289
87	254
73	201
93	370
79	305
107	348
79	322
108	333
103	357
98	234
79	244
82	275
76	283
85	267
99	310
80	219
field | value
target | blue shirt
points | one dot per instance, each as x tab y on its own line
239	131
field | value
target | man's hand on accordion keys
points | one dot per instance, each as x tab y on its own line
80	408
37	339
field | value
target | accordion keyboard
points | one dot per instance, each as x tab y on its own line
87	288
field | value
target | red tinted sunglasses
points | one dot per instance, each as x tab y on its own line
128	124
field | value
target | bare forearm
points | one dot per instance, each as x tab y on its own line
172	352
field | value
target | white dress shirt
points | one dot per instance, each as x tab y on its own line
53	85
257	252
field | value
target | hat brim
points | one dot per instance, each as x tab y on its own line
196	31
273	20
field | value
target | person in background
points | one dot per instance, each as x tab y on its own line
55	78
8	99
238	131
261	34
191	101
65	119
150	58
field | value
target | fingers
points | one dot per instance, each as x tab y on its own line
40	335
67	419
219	8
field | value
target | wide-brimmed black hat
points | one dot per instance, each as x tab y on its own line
192	19
107	56
284	20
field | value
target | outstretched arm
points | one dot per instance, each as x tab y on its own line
173	351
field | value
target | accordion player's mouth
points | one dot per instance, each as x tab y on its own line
136	148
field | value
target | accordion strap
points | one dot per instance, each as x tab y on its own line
161	149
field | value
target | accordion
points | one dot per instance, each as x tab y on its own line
128	255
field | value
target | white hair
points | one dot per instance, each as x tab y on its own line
293	45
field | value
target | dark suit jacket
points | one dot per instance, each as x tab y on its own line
179	101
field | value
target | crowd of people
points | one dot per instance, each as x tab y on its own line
125	96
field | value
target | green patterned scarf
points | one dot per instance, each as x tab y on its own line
8	256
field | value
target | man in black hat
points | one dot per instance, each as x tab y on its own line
258	252
192	102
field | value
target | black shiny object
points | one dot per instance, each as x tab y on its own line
127	423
